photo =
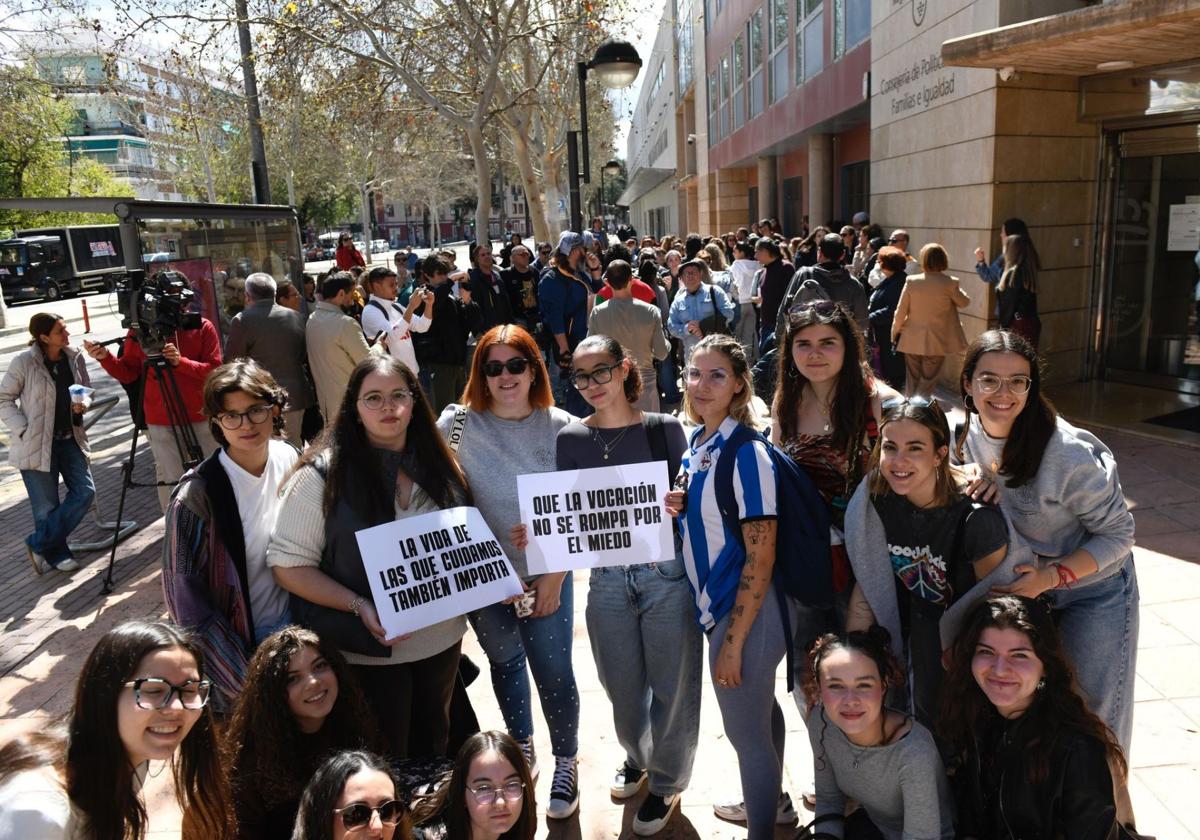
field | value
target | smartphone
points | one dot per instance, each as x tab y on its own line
524	605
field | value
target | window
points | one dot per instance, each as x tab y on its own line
856	187
739	82
713	107
684	45
724	96
851	25
810	39
655	85
754	38
778	77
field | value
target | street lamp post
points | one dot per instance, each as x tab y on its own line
612	168
616	64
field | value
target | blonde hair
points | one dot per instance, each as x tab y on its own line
714	256
741	406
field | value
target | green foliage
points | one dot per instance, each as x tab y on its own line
33	160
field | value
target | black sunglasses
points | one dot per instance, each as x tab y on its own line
358	814
516	366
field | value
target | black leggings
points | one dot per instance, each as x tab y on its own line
411	701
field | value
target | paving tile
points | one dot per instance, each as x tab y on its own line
1163	735
1152	814
1150	522
1157	630
1175	671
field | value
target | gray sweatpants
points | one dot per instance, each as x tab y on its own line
753	719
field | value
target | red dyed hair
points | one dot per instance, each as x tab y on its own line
476	395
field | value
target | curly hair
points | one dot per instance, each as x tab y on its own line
261	742
246	376
1056	707
849	411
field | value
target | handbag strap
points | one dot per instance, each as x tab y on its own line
456	430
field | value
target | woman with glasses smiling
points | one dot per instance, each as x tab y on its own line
382	460
352	796
489	795
1059	484
140	697
215	576
507	427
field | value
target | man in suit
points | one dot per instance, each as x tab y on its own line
273	335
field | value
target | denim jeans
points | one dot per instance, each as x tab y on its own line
545	643
566	395
1098	625
641	621
668	381
54	520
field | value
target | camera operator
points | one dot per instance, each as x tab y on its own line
192	354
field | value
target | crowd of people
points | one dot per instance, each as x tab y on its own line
958	609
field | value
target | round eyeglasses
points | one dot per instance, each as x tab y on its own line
376	401
989	383
153	693
233	420
487	794
358	815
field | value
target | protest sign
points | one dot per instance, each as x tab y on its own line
427	568
607	516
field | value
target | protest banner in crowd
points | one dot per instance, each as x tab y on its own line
427	568
606	516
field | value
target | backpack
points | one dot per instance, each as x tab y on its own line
803	564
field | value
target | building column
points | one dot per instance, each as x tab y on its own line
768	194
820	179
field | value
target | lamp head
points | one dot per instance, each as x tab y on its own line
616	64
613	167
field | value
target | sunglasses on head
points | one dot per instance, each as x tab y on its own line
917	401
358	814
516	366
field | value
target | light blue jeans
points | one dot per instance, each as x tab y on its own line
1098	625
545	644
642	624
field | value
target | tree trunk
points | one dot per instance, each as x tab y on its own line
533	190
550	167
365	219
483	182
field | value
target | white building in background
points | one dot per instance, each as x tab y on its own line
650	193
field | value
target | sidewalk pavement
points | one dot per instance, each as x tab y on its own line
49	624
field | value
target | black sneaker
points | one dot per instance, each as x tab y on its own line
654	814
564	789
628	781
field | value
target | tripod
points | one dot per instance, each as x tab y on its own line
181	431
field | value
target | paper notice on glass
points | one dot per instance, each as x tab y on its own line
427	568
606	516
1183	227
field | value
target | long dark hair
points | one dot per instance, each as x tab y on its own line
449	803
1034	426
353	470
850	409
314	821
263	742
1057	706
86	747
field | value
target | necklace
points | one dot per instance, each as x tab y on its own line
609	445
861	752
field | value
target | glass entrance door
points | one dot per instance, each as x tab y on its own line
1152	329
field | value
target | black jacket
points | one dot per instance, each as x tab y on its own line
996	800
881	310
494	305
445	342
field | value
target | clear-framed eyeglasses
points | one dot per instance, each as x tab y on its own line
487	794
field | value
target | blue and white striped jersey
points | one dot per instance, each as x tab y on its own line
712	554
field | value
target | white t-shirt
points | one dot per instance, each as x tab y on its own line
34	806
743	277
399	332
259	504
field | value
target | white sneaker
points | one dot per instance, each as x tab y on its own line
736	811
39	563
68	565
628	781
564	789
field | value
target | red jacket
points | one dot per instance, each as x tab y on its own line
200	352
347	256
641	291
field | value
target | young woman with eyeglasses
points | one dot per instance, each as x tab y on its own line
352	796
865	752
381	460
215	578
1060	486
919	546
640	618
731	575
506	427
141	696
488	796
300	702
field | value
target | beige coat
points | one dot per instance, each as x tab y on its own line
335	346
27	397
927	316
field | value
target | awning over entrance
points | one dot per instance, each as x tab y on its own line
643	180
1083	42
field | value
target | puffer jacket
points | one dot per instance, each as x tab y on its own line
29	383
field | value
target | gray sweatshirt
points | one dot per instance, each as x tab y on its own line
867	547
493	453
902	786
1075	500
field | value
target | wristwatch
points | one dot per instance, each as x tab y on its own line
356	604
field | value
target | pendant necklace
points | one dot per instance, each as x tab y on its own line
861	752
608	446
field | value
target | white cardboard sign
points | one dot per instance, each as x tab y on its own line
605	516
428	568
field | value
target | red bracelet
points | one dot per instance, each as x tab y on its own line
1066	577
